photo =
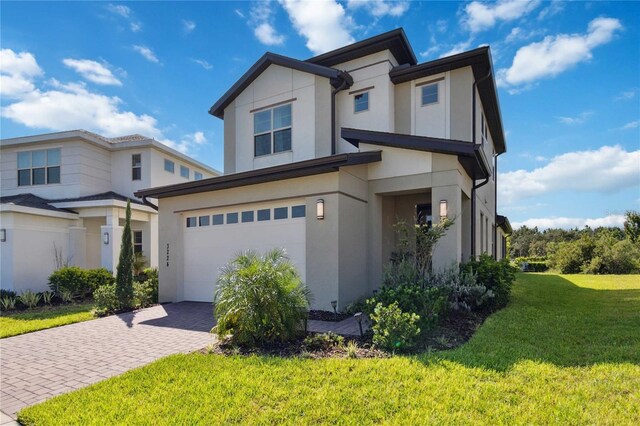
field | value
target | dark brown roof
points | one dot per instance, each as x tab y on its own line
30	200
269	174
504	224
335	76
480	61
102	196
470	155
395	41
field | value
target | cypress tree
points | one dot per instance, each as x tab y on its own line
124	274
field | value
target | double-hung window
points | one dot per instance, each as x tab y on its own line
136	167
430	94
39	167
272	130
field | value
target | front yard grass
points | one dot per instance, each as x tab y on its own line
43	318
565	351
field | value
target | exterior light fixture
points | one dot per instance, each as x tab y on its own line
105	238
443	209
3	235
320	209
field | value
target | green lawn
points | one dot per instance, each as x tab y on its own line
565	351
47	317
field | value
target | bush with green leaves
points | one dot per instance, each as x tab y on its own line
30	299
47	297
66	296
463	292
105	300
430	303
260	299
7	293
394	330
8	303
71	278
99	277
496	276
145	293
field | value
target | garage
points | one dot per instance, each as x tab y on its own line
212	238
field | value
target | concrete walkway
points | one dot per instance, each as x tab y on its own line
37	366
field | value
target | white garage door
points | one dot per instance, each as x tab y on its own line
213	238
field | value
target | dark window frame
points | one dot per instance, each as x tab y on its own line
273	132
136	167
137	245
49	173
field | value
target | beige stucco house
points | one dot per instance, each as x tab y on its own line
323	156
63	201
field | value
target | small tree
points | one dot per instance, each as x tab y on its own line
632	225
124	274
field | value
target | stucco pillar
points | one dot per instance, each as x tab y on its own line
150	235
449	248
110	252
78	245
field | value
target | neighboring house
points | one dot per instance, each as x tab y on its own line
63	201
323	156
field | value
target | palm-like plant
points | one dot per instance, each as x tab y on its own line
260	299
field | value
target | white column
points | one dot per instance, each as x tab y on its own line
449	248
110	252
151	229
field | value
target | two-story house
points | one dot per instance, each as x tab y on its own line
64	196
323	156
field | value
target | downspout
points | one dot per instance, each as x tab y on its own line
346	82
495	198
475	186
149	203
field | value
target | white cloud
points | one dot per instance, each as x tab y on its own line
267	35
556	54
17	73
579	119
146	53
482	16
518	34
380	8
608	169
631	125
614	220
136	27
457	48
555	7
119	9
323	23
188	26
204	64
626	95
187	142
239	13
92	71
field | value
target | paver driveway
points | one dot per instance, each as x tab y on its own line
37	366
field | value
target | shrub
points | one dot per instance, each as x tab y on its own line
148	274
496	276
7	293
66	295
105	300
430	303
30	299
461	288
47	297
394	330
99	277
322	341
8	303
145	293
260	299
72	279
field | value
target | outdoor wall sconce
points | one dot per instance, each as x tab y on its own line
105	238
320	209
3	235
443	209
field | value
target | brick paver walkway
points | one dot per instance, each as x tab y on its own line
37	366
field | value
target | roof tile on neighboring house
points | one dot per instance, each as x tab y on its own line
33	201
103	196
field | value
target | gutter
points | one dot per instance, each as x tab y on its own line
149	203
347	81
475	186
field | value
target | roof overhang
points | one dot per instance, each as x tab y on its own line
480	62
395	41
503	223
470	156
75	205
15	208
269	174
336	77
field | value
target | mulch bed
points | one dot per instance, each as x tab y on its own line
453	331
328	316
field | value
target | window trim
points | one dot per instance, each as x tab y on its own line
134	167
272	129
46	167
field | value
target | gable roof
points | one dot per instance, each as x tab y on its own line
311	167
480	62
395	41
336	77
471	156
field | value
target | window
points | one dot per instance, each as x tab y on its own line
247	216
264	214
425	215
218	219
272	130
184	172
298	211
192	222
197	175
232	218
39	167
430	94
481	232
484	131
136	167
169	166
203	220
281	213
137	241
361	102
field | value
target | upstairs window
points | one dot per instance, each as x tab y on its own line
272	130
136	167
430	94
184	172
39	167
361	102
169	166
197	175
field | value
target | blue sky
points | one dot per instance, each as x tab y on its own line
568	75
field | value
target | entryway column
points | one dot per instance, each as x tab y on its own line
111	237
449	248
